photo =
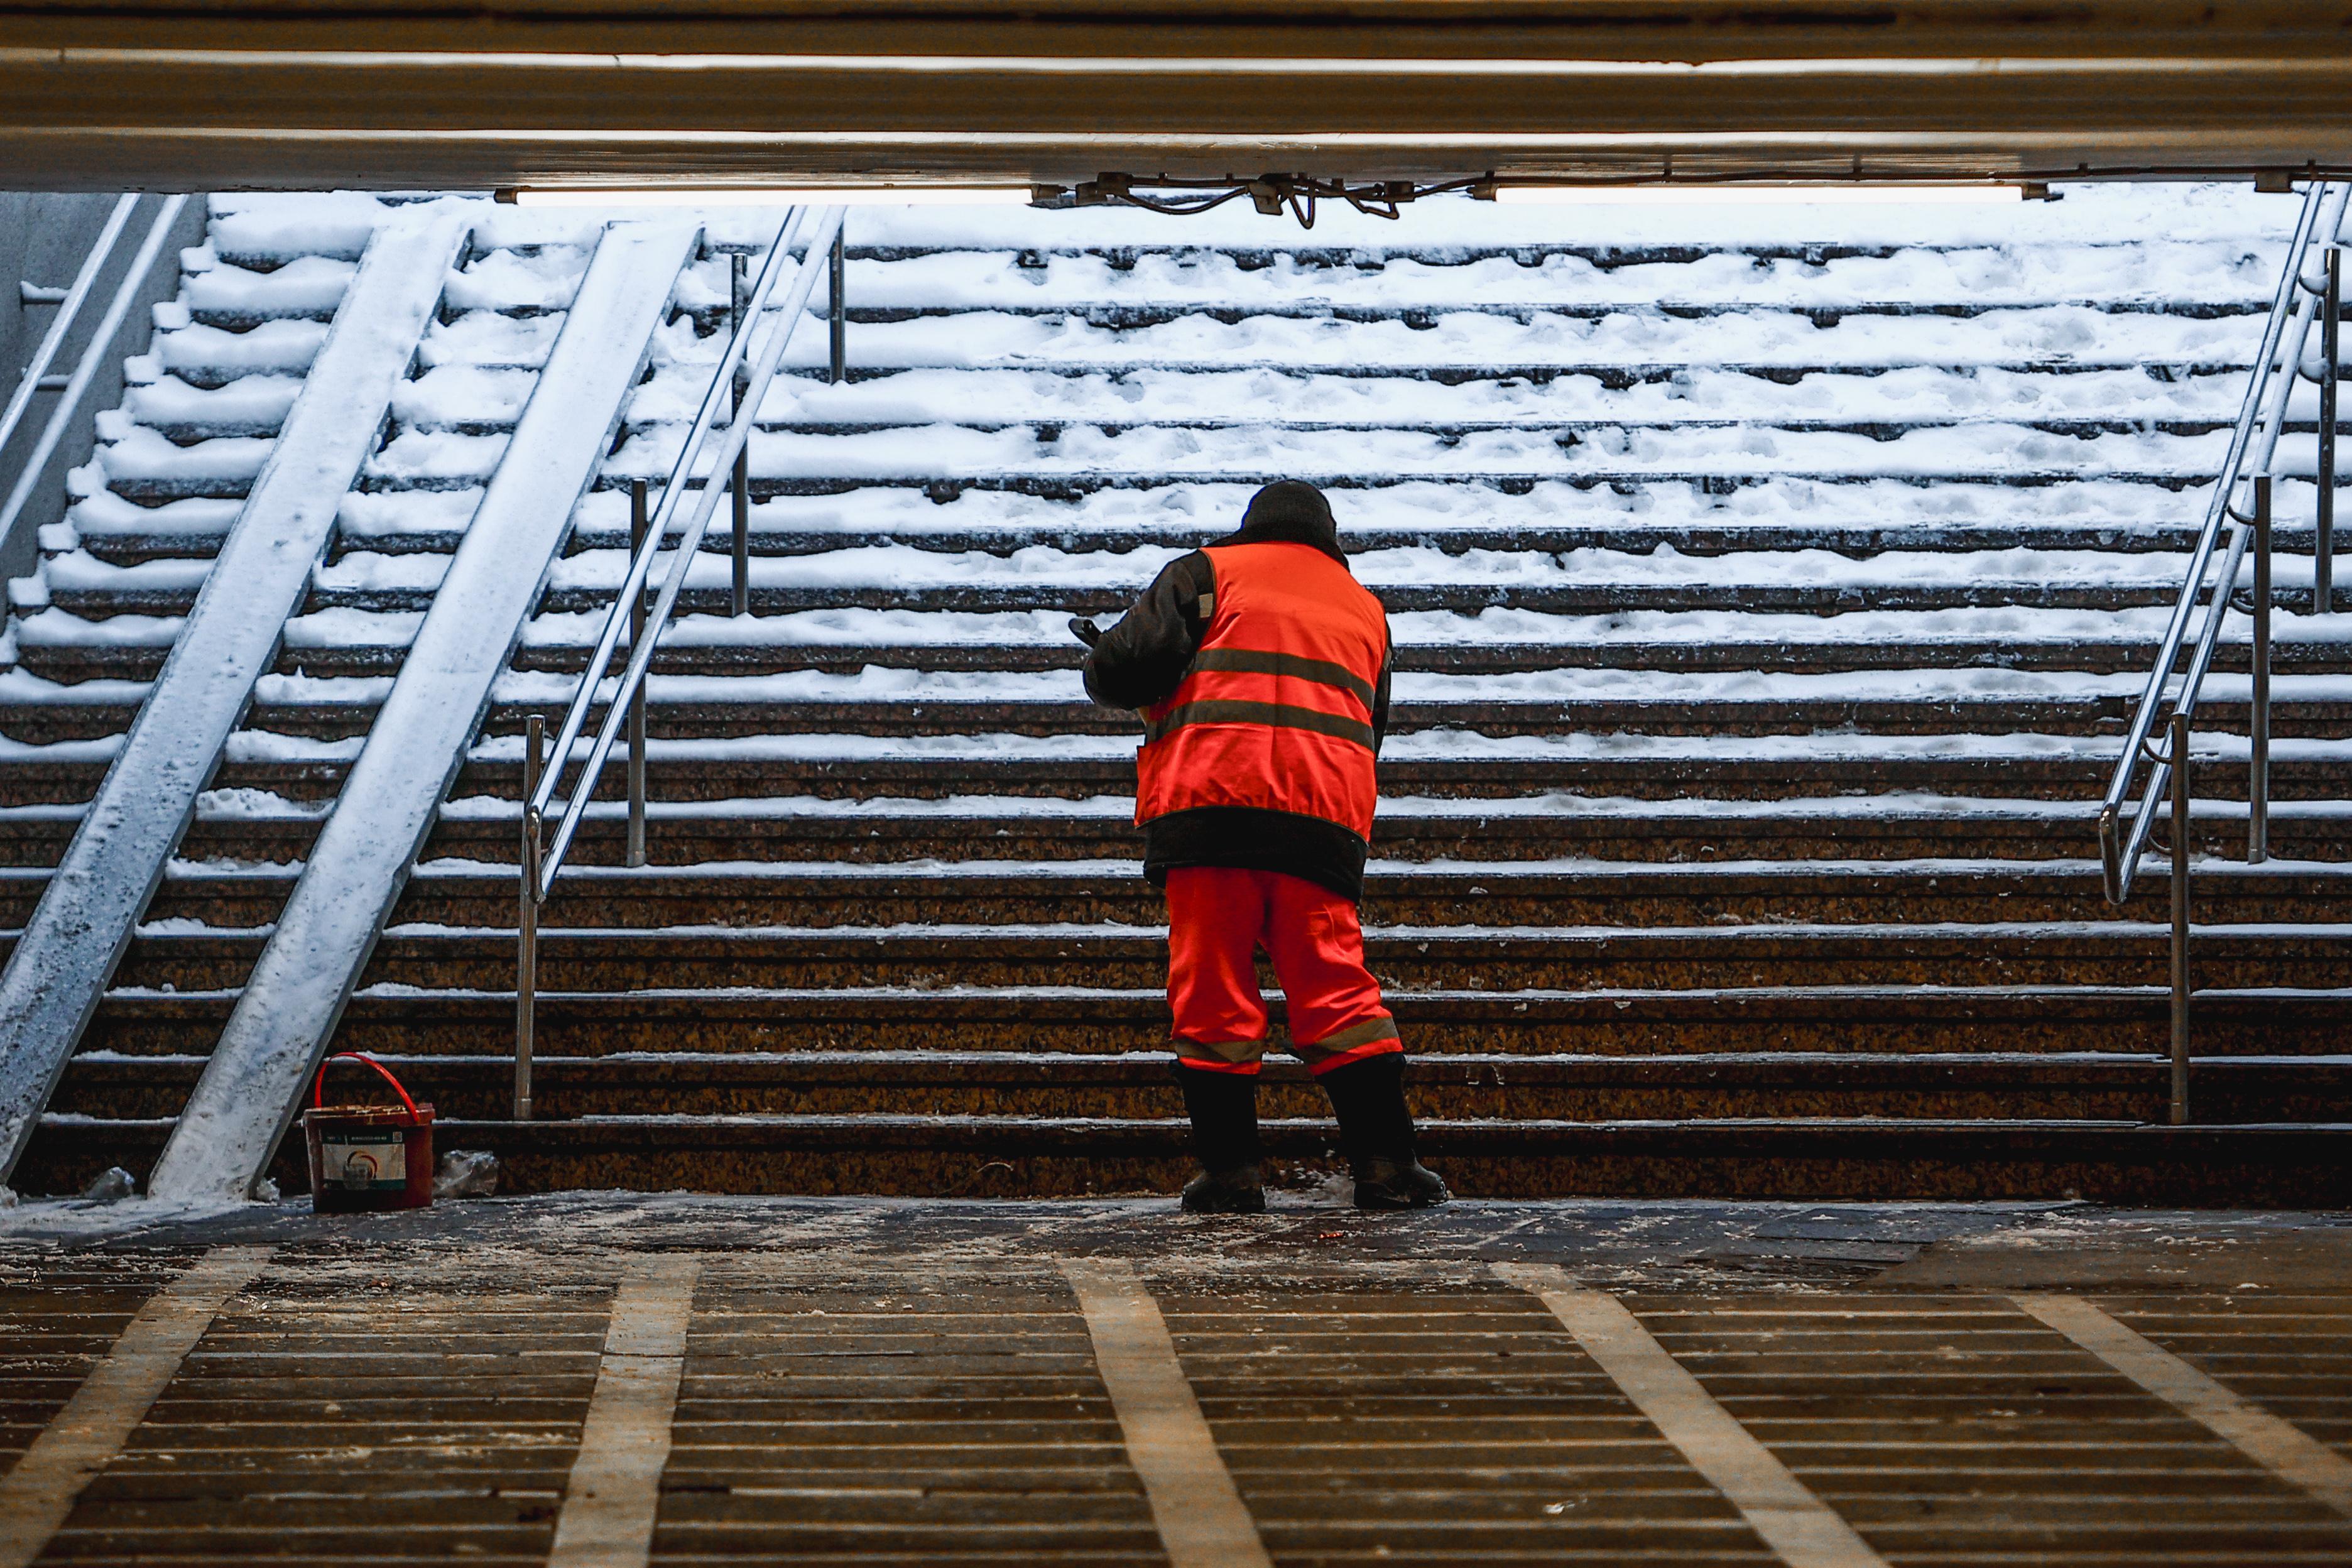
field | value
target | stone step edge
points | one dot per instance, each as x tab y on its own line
1043	1070
2090	1003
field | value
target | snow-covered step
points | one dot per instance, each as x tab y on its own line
1910	395
1254	451
1039	578
2209	277
2099	513
2071	336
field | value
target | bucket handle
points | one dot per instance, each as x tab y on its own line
319	1088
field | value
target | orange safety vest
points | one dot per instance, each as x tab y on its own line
1275	711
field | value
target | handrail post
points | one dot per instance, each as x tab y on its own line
836	280
742	455
534	738
2179	919
2258	764
2323	550
636	855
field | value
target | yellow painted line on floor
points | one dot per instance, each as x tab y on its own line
36	1496
615	1486
2286	1451
1203	1522
1802	1530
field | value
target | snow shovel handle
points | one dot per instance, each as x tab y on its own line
319	1088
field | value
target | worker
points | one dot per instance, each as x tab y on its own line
1261	667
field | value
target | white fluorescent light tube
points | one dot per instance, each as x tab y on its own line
1754	195
762	196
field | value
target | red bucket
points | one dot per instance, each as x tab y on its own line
368	1158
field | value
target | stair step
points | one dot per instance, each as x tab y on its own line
68	773
1590	598
1503	832
2281	1165
2006	1019
73	663
671	717
1500	894
1407	958
1521	1085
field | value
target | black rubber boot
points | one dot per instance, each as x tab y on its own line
1376	1134
1387	1184
1224	1109
1237	1191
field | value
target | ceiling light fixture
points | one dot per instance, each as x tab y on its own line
765	197
1761	194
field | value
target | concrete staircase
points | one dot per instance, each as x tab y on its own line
1767	607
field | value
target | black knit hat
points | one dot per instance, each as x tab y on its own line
1290	511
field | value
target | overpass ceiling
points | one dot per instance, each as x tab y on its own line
219	94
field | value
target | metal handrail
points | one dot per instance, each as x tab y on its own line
62	322
95	354
814	231
2254	445
799	229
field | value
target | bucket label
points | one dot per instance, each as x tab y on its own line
365	1160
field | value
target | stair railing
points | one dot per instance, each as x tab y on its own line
69	306
98	351
2247	466
813	231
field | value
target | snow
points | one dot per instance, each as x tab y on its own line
345	628
515	281
827	628
369	572
487	338
308	287
2130	270
1562	685
495	809
104	513
440	459
2060	335
143	454
1203	510
1253	452
1042	567
1692	395
251	405
285	347
56	628
464	394
256	806
387	514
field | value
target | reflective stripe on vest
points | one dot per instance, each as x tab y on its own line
1275	713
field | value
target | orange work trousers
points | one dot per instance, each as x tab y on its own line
1218	916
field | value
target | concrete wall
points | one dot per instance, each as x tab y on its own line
44	240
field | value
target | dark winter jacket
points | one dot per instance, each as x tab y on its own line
1142	660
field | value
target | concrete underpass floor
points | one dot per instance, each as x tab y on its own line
618	1378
